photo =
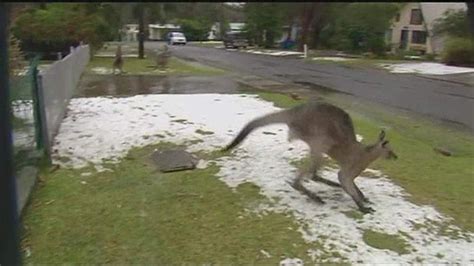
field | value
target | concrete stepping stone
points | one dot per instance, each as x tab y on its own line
173	160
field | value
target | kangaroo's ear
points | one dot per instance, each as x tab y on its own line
382	135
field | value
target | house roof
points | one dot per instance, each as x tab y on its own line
165	26
236	25
433	11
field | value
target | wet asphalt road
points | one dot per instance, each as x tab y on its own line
443	100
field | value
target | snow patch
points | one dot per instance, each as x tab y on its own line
102	70
335	58
291	262
112	55
274	53
426	68
104	129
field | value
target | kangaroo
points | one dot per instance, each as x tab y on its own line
118	62
161	58
327	129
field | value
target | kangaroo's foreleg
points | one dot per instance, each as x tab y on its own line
364	198
347	183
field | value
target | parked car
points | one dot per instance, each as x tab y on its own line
176	38
235	40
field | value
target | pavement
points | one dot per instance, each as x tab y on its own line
441	98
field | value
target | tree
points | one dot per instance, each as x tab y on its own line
307	15
264	22
325	14
58	26
454	23
140	12
361	26
459	48
195	30
143	12
16	56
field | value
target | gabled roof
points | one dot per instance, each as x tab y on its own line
165	26
236	25
433	11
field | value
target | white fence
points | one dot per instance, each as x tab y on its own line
57	84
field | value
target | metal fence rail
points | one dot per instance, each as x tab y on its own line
38	104
24	123
57	85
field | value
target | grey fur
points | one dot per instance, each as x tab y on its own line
118	62
327	129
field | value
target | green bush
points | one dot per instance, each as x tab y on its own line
459	52
429	57
360	27
194	30
59	26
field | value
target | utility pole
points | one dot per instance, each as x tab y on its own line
9	240
470	17
141	31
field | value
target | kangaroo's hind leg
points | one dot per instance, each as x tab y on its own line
297	184
328	182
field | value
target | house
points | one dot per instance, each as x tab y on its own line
236	27
214	33
159	31
130	32
412	27
295	29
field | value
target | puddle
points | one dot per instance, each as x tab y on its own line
129	85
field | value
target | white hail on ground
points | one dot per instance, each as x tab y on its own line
98	129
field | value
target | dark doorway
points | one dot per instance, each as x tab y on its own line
404	39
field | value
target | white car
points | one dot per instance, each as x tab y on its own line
176	38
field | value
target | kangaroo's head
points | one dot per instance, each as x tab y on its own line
382	147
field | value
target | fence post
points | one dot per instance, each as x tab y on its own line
41	129
305	51
9	239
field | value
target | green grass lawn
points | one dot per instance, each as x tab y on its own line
135	66
429	177
362	62
136	214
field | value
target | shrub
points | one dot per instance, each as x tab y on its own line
16	57
459	52
194	30
57	27
361	27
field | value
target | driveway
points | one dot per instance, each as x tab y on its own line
441	99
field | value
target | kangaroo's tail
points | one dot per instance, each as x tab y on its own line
278	117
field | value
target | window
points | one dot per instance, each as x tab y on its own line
418	37
397	17
416	18
176	34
